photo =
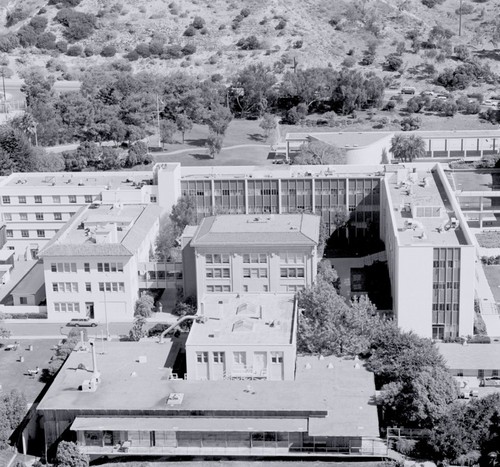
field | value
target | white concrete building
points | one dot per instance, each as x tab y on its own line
91	266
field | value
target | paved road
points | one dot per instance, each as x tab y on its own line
27	330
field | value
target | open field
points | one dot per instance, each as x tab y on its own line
489	240
493	275
13	373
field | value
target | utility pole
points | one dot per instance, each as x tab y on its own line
158	119
4	94
460	20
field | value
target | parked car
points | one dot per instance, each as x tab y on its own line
428	93
83	322
408	90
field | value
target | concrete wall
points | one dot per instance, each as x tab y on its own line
372	154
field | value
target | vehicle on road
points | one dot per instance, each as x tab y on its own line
408	90
83	322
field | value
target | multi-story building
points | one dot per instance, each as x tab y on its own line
431	256
36	206
92	265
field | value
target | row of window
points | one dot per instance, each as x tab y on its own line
255	258
445	307
162	275
446	264
25	233
218	273
63	267
67	307
218	288
55	199
291	258
291	272
239	358
217	259
39	216
446	285
254	272
101	267
112	286
65	286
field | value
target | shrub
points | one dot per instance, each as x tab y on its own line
143	50
198	22
78	25
62	46
108	51
156	47
348	62
479	325
393	62
15	16
245	12
479	340
248	43
281	24
27	36
132	56
75	51
189	49
8	43
410	123
88	51
431	3
405	446
298	44
39	23
190	31
173	51
46	41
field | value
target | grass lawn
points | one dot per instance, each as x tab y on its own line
13	372
493	275
489	240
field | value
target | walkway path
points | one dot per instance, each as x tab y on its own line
181	151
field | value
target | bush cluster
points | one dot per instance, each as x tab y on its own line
78	25
248	43
15	16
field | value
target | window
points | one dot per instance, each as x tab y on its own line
152	199
88	287
245	288
57	216
56	199
23	216
25	233
239	358
40	233
100	267
55	287
202	357
6	199
226	288
246	272
9	233
22	199
65	287
38	199
265	288
291	272
246	258
63	267
218	357
53	267
210	288
72	199
86	267
208	259
262	258
23	300
111	286
67	307
277	357
39	216
88	198
7	217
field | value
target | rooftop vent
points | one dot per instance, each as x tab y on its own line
175	398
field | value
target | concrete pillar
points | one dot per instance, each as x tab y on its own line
246	196
287	153
212	187
481	208
313	196
279	196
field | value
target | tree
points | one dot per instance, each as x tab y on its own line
328	325
167	131
69	455
166	244
214	144
137	332
138	154
19	149
411	123
183	214
48	161
393	62
268	123
144	305
319	153
219	119
184	124
13	408
407	148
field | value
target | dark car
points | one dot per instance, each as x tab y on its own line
83	322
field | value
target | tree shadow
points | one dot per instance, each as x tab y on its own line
201	142
201	157
256	137
491	54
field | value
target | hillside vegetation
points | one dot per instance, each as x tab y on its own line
207	37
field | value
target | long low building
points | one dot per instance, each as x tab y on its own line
138	406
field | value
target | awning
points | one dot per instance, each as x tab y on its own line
189	424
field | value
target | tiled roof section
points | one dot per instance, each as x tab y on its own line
87	249
141	227
278	229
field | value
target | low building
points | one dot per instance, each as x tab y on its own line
139	408
244	336
92	265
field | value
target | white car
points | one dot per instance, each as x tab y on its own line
83	322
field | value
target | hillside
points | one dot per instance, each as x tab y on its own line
302	33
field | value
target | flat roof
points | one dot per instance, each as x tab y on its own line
258	229
474	181
406	194
471	356
245	319
122	227
329	386
112	180
351	140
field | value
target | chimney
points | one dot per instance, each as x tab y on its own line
220	309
